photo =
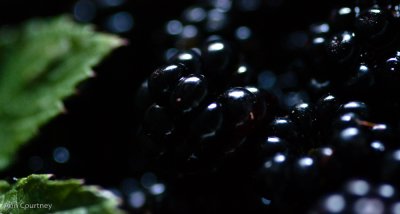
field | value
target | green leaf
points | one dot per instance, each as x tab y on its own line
40	64
37	194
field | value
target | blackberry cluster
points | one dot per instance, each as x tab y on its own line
355	53
319	146
200	108
288	132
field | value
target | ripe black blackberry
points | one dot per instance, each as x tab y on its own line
356	49
318	147
198	111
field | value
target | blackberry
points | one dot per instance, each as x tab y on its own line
199	111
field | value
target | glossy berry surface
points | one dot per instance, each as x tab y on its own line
374	25
189	93
208	122
341	47
272	145
239	106
284	128
157	121
355	107
218	58
190	59
163	80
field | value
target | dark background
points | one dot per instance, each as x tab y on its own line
99	126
